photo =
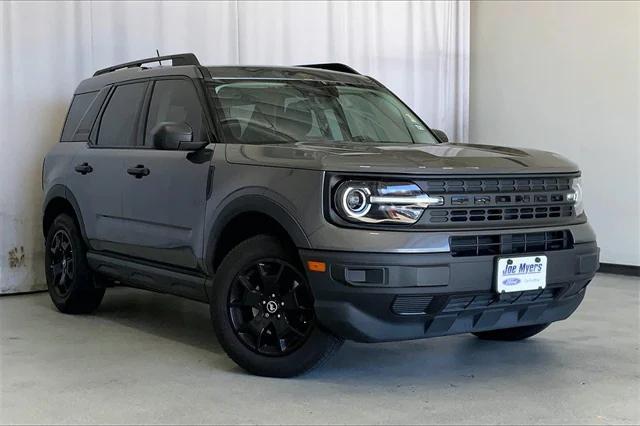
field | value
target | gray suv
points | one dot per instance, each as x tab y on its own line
306	205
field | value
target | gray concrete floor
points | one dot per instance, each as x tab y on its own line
149	358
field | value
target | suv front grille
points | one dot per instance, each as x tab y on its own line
483	185
499	201
487	245
512	213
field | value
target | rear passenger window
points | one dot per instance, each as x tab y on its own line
79	106
86	124
119	123
175	101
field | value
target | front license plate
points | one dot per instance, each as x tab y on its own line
521	273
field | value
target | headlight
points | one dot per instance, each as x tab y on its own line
576	196
382	202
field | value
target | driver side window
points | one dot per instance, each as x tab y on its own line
175	101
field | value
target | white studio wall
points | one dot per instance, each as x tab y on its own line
565	77
420	50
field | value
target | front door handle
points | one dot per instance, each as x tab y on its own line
138	171
84	168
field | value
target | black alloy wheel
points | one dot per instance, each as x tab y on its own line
271	307
62	264
263	310
70	281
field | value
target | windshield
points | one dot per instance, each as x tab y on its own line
308	111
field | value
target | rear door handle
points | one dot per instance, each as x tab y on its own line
138	171
84	168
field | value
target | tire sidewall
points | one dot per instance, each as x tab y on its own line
81	282
303	358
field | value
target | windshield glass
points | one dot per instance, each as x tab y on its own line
308	111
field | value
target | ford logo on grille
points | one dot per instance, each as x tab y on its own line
511	281
483	200
458	200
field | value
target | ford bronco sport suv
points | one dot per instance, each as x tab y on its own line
305	205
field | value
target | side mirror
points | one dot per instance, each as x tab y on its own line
442	136
175	137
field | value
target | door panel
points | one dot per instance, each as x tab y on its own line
98	181
98	193
166	191
164	210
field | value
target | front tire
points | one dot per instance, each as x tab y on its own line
512	334
262	311
69	279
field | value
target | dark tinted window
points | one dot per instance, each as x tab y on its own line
175	101
78	108
119	121
86	124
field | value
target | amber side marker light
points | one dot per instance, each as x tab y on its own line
314	266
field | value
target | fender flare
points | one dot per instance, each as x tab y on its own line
61	191
263	202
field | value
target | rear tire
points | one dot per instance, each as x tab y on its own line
512	334
262	311
69	279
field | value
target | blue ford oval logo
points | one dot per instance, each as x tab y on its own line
511	281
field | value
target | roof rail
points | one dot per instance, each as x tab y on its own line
176	60
333	66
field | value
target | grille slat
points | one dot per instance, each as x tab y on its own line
498	214
411	305
487	245
482	185
459	303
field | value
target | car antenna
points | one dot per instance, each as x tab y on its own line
158	53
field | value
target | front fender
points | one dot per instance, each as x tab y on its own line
259	200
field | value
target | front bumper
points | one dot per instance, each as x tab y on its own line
373	297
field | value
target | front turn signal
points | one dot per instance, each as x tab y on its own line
315	266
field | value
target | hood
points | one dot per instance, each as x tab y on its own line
446	158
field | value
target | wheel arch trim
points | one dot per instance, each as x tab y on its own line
61	191
263	203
